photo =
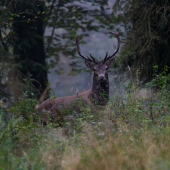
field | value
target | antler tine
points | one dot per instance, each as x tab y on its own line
106	56
78	49
118	45
92	57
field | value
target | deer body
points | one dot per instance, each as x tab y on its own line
62	105
98	95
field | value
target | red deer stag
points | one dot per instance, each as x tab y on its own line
98	95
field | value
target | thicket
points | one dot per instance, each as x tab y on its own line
130	133
147	35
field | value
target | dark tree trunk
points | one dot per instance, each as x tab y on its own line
28	44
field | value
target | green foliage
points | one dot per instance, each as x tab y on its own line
24	107
159	80
147	39
129	133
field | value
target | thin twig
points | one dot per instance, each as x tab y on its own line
49	13
52	34
2	42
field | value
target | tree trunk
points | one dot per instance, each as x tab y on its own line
28	44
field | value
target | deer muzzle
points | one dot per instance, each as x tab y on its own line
101	77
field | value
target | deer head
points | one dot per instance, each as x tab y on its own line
100	68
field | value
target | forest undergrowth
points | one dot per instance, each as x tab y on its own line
131	133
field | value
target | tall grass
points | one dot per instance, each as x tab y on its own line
122	136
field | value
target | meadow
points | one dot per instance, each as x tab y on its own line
129	133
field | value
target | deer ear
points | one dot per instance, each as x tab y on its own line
89	64
110	62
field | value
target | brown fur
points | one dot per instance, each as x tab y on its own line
60	107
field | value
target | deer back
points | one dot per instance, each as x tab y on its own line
62	106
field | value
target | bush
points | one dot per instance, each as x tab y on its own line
131	133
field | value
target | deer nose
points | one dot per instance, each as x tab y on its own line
101	77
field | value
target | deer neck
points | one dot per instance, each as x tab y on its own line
100	91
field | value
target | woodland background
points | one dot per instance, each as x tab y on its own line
37	48
38	37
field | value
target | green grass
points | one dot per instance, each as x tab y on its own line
123	136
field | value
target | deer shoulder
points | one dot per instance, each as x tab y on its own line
53	104
61	107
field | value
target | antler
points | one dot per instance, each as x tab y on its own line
106	57
79	52
118	46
